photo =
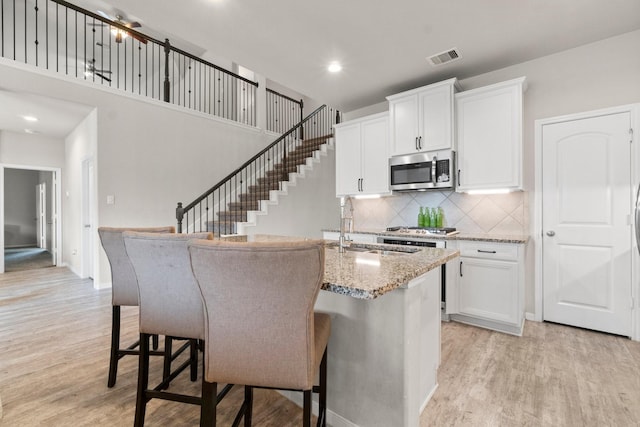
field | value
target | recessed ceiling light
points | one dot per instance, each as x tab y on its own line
335	67
30	118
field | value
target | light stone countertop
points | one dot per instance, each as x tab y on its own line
481	237
368	270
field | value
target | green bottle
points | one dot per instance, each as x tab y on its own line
433	217
439	218
421	217
427	218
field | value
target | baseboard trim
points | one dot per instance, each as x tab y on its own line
426	401
333	419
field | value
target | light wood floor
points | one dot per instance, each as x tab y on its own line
54	345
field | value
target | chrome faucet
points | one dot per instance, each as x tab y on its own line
346	223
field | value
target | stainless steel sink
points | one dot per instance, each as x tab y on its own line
381	252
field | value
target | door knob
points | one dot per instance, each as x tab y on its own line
551	233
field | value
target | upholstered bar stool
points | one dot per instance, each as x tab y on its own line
170	302
261	329
124	289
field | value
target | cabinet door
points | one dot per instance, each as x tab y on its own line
435	116
489	289
489	124
403	125
348	159
375	156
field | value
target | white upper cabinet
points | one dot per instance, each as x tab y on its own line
422	119
489	136
362	156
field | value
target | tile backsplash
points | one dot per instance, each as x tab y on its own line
492	214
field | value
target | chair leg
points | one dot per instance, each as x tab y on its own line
248	402
155	341
115	345
168	349
322	397
306	409
208	406
143	380
194	359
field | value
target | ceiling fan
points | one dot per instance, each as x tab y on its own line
91	70
118	32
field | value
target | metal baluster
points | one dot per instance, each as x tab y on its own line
25	32
36	41
167	83
146	70
46	30
75	36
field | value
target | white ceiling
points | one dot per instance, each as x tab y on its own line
56	118
382	45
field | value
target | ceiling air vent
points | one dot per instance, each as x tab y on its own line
444	57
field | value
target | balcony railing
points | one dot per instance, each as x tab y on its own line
63	38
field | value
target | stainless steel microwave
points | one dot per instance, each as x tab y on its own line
423	171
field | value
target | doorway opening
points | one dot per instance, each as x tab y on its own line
31	229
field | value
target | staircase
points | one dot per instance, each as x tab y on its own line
227	222
222	208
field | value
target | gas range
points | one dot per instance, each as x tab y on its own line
424	231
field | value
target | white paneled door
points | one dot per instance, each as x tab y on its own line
587	236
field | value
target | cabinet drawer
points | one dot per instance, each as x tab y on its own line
505	251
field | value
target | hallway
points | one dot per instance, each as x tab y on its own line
26	259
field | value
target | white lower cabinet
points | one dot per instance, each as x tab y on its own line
490	286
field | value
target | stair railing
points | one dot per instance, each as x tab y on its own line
283	112
64	38
244	188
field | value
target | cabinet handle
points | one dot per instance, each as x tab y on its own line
419	143
458	176
486	252
460	268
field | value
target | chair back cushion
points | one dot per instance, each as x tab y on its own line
170	301
259	319
124	287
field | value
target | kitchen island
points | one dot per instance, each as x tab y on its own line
384	350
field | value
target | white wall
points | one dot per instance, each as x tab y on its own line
597	75
31	150
80	144
150	155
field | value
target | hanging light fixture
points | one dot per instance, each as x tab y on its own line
119	34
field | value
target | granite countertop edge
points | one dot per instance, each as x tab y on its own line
404	270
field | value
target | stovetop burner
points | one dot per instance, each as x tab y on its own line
443	231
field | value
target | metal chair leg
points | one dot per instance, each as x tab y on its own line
168	349
322	395
208	406
155	340
306	409
143	381
248	401
194	359
115	345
